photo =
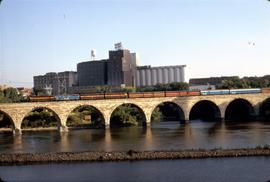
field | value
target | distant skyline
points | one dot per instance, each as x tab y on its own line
213	38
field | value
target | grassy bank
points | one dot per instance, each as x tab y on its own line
11	159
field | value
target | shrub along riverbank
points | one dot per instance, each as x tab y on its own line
8	159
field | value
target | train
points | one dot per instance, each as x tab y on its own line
231	91
125	95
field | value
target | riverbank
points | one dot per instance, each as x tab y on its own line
5	130
30	129
29	158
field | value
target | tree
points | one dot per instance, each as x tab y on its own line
12	95
246	82
2	96
78	117
156	115
40	92
178	86
39	118
126	115
175	86
103	89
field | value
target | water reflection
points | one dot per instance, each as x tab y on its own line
160	136
222	169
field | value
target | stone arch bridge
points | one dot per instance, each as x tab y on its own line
62	109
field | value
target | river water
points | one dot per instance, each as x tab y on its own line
223	169
161	136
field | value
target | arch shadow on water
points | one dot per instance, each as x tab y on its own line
206	111
239	110
265	110
85	116
41	118
167	114
126	115
6	122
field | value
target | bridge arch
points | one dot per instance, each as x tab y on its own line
239	110
264	110
5	115
169	111
130	109
39	109
205	110
96	115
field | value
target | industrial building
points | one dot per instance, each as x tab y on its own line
119	70
92	73
56	83
149	76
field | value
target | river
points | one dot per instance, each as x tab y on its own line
223	169
162	136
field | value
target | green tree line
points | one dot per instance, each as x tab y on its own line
175	86
86	116
9	95
246	82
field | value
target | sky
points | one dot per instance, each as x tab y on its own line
213	38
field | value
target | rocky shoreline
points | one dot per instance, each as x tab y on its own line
34	158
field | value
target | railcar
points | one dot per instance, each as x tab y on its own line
159	94
41	98
215	92
172	93
66	97
193	93
148	94
184	93
92	97
141	95
265	90
245	91
116	95
135	95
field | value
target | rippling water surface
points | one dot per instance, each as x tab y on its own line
162	136
223	169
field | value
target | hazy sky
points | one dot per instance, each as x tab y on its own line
211	37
